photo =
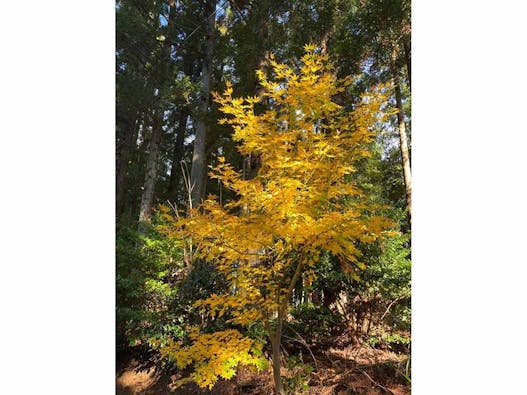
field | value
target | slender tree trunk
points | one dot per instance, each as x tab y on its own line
123	159
275	345
199	161
403	140
408	61
277	335
147	197
326	36
175	171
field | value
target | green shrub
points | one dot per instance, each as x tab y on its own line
391	341
314	321
297	381
147	265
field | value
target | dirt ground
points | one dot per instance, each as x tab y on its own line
352	370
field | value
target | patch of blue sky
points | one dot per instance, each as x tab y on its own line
163	21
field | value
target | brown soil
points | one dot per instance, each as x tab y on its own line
350	370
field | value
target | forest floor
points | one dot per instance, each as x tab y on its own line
348	370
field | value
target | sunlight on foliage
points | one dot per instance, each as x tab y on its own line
302	202
214	355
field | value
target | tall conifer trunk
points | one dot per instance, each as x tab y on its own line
403	142
147	197
184	112
408	61
175	172
199	161
123	158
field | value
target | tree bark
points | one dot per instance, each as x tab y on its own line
175	171
147	197
403	142
408	61
199	161
123	158
275	345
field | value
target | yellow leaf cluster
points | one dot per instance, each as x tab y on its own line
303	201
214	355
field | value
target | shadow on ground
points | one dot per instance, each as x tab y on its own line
351	371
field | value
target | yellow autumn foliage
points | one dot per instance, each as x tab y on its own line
302	201
214	355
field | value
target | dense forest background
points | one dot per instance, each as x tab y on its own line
170	57
58	294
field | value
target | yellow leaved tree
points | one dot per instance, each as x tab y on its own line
301	201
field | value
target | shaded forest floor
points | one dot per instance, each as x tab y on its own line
339	370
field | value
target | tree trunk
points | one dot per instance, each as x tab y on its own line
408	61
175	171
403	140
275	344
123	159
199	162
147	197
